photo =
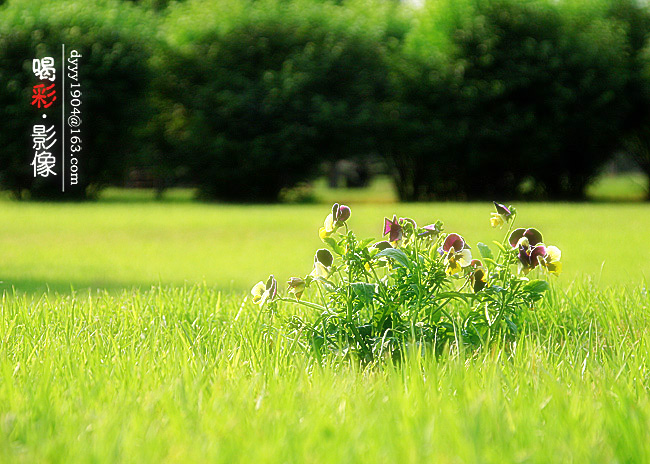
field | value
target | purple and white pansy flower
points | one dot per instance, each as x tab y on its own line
502	215
532	252
334	220
430	230
456	253
263	292
394	229
323	261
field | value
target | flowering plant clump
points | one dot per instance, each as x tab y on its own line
419	286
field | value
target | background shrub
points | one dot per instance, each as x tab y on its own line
269	94
423	129
529	90
243	99
635	19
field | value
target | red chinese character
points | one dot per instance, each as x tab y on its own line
40	95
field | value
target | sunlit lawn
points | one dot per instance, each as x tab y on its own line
194	373
121	245
629	187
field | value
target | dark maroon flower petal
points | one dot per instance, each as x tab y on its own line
395	234
502	209
524	256
537	252
388	224
453	240
534	236
272	286
478	280
515	236
344	213
335	211
393	228
430	229
324	257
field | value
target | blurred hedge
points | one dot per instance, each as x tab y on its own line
462	98
516	91
266	92
636	20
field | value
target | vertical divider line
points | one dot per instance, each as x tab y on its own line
63	119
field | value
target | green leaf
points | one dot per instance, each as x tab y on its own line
396	254
498	244
364	291
512	326
490	261
495	289
335	246
485	251
536	286
365	330
317	343
364	243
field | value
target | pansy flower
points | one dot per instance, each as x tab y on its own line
394	230
526	237
262	292
405	220
334	220
531	251
478	276
456	253
455	241
528	243
397	230
429	230
323	261
529	256
502	215
296	286
551	260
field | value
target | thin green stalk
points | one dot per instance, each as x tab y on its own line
304	303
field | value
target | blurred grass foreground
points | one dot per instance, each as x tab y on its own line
246	100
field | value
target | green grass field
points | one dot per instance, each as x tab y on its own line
125	245
103	368
625	187
187	375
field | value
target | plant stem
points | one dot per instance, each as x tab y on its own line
304	303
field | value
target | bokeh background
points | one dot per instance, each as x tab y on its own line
252	100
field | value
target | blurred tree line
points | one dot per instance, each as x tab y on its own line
462	99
